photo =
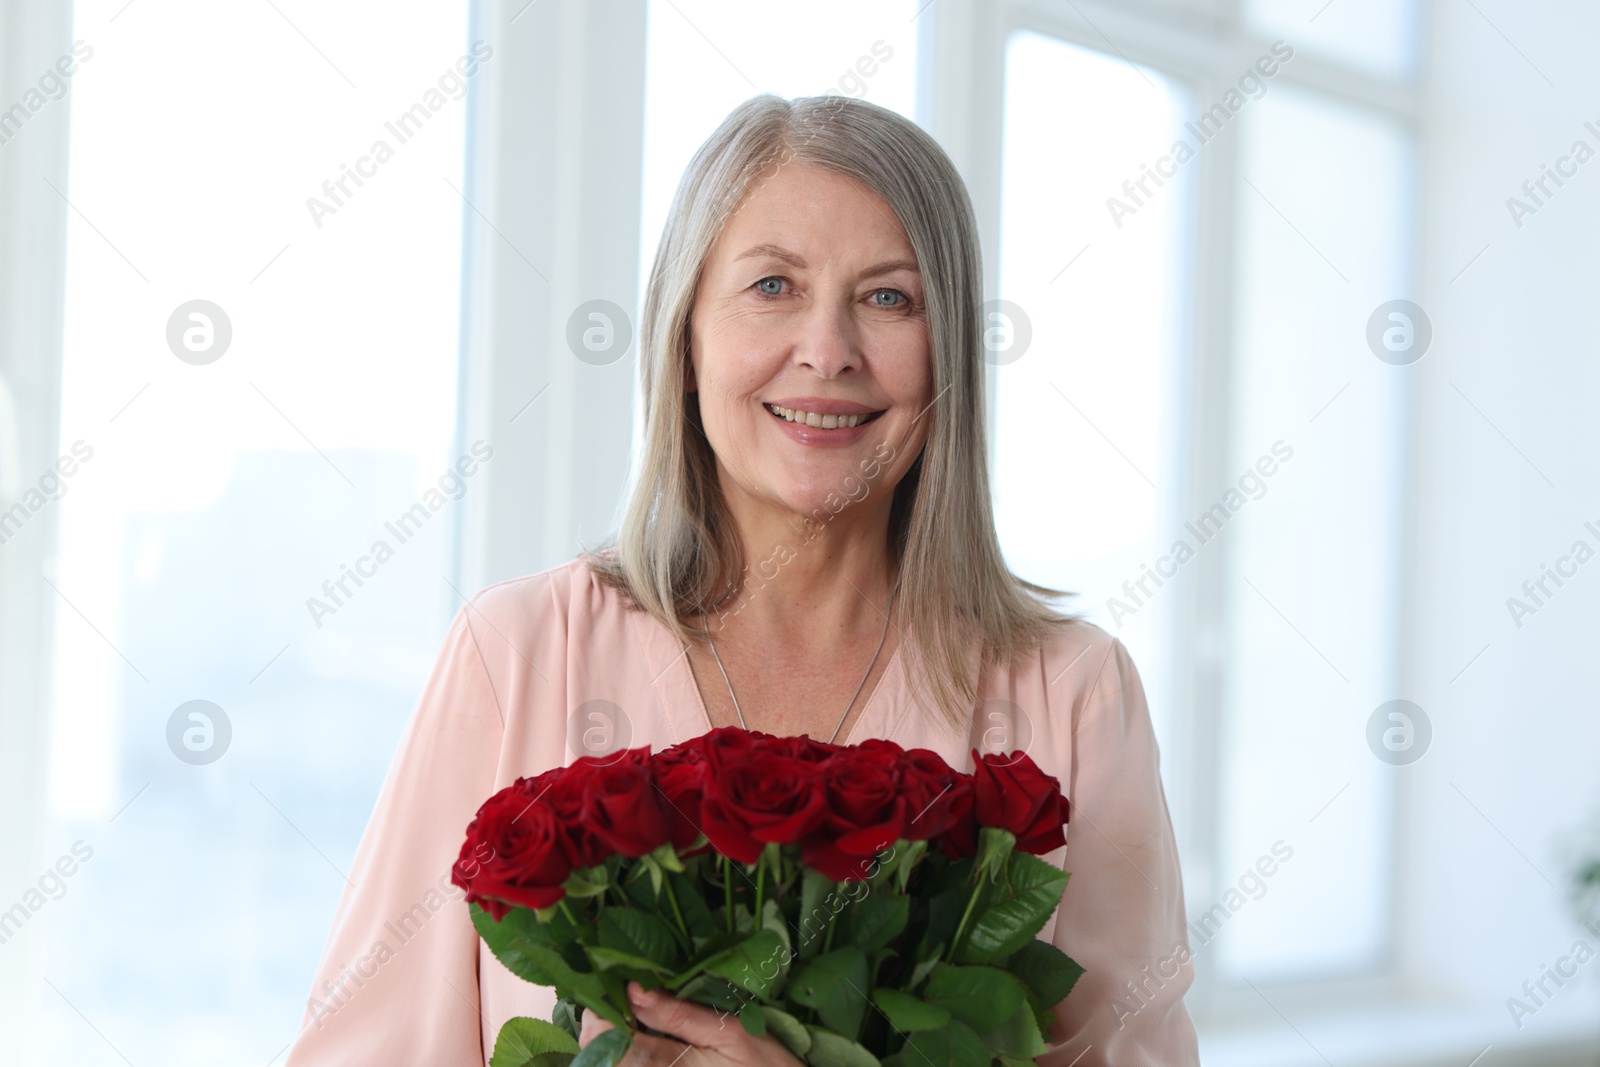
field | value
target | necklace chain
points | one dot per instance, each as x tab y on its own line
850	704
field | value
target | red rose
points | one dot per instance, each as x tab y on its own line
1011	792
939	798
680	774
801	748
514	854
866	810
622	807
727	745
761	799
563	790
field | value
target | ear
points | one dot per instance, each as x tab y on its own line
689	385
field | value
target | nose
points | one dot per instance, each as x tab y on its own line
829	341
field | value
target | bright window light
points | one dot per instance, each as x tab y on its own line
1086	423
1325	235
230	154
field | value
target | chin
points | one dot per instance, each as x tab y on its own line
822	501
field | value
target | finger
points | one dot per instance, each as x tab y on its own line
696	1025
593	1027
647	1050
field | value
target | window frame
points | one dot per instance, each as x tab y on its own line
33	243
1201	46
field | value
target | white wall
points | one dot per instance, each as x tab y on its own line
1516	732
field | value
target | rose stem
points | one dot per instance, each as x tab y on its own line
727	890
761	877
966	915
673	897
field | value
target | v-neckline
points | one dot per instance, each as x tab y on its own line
675	683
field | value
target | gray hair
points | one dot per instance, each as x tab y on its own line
677	551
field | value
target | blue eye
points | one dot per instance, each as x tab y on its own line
773	286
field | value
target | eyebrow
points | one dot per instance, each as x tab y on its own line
767	251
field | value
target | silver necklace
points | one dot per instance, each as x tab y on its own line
850	704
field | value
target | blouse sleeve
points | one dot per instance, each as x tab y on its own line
1122	915
398	981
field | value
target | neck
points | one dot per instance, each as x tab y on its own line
817	583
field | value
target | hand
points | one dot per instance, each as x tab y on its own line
719	1040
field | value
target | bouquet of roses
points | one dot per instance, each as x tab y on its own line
863	905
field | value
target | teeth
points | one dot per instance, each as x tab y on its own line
811	418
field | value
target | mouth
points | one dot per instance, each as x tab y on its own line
818	420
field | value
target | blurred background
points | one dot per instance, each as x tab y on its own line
1293	378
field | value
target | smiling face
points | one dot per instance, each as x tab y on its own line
809	345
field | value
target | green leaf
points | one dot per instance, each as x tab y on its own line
1018	1036
945	907
920	971
696	913
667	856
981	997
772	855
635	883
615	986
605	959
742	963
716	993
509	939
747	964
588	882
606	1050
755	1024
772	919
560	930
525	1042
818	900
906	860
1046	970
565	1015
1030	891
877	919
789	1031
835	984
907	1014
828	1049
639	933
519	942
954	1046
994	845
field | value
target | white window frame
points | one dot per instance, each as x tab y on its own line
33	248
554	184
1201	44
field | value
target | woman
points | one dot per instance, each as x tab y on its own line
808	549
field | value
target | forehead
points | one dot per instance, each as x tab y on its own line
817	213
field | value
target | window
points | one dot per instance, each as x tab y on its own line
1189	371
1168	328
1377	37
244	456
1325	221
1086	374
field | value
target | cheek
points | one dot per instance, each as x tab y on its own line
731	362
906	369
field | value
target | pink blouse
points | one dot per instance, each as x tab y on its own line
405	979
